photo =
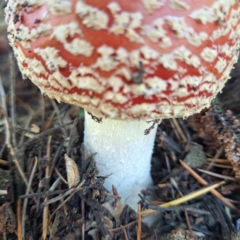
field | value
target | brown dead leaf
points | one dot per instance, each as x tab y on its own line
35	129
72	172
7	218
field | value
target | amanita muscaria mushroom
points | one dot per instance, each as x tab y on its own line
126	61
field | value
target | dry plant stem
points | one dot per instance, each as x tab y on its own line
179	130
217	154
163	185
64	207
26	199
19	223
218	175
42	103
233	201
124	232
58	198
8	126
83	218
71	136
219	160
25	105
60	175
3	162
55	184
175	185
185	130
123	152
46	207
12	92
73	191
175	130
195	210
120	228
61	200
139	231
167	162
56	155
125	226
220	166
19	168
42	194
4	107
64	130
28	120
187	220
52	188
205	183
49	121
4	235
61	196
3	192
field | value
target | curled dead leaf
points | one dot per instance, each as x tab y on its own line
35	129
72	172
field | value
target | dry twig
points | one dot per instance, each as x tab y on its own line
205	183
139	230
217	175
187	220
19	223
19	168
46	207
125	233
26	199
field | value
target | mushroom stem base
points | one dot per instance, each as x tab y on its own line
124	152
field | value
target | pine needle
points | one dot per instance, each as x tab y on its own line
186	198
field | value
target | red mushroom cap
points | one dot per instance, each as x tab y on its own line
127	58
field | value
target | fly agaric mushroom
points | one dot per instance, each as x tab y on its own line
126	62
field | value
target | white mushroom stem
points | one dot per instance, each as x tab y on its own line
124	152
